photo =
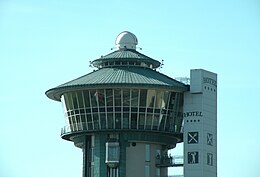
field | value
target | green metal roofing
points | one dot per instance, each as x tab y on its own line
127	55
124	76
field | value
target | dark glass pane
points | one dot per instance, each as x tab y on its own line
89	121
96	121
126	120
157	110
148	121
88	110
103	120
118	120
110	109
134	98
142	109
110	120
172	100
134	109
143	97
80	99
165	100
161	122
126	109
126	97
149	110
84	122
158	100
86	98
94	98
100	97
155	122
82	111
94	110
134	120
70	101
117	93
151	98
141	121
101	109
118	109
75	101
109	97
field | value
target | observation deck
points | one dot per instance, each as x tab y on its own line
124	94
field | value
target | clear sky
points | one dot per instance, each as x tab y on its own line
46	43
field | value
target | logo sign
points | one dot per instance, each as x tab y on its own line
210	159
210	139
193	113
193	157
193	137
207	80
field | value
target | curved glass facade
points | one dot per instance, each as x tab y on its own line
123	108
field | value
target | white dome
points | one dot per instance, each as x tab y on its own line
126	40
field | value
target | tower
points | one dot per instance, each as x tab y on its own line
200	125
125	115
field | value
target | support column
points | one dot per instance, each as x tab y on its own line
86	156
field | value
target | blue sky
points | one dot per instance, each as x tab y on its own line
46	43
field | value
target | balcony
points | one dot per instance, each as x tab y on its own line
169	161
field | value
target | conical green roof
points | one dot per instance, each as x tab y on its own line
118	77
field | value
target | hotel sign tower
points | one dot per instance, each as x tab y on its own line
125	116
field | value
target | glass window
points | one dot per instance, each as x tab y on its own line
126	97
117	93
100	97
112	152
147	171
147	152
80	99
84	122
161	122
150	98
90	123
75	100
165	100
158	101
70	102
133	120
155	121
86	98
110	120
109	97
96	121
143	97
172	100
134	97
103	120
126	120
148	121
141	121
118	120
94	98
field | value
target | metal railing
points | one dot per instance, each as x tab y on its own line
86	126
169	161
